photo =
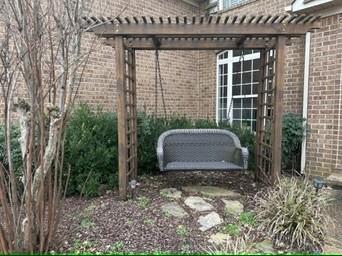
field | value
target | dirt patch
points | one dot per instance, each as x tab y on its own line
106	224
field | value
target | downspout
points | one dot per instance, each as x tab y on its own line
305	97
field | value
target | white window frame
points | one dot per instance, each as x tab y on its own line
229	61
221	8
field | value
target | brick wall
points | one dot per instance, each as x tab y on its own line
179	70
294	76
324	145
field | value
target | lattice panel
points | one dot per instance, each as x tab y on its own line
131	114
265	121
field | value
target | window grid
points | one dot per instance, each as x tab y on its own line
238	79
227	4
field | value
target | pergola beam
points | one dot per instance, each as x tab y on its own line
195	44
201	30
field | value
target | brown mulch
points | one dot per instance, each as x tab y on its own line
107	224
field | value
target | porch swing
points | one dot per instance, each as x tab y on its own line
196	149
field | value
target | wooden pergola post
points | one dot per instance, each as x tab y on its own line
121	114
278	108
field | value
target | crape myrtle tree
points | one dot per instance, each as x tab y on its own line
41	66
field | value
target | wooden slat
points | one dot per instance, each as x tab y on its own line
218	19
121	115
128	21
260	112
202	30
195	44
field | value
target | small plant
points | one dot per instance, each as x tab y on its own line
148	222
293	135
86	215
242	244
181	230
293	214
143	201
231	229
79	246
247	218
117	247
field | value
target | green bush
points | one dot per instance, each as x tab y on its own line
91	151
91	146
293	214
15	150
293	135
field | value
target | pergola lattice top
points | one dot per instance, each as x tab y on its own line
213	32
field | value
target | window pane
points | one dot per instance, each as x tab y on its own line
247	65
237	114
256	76
246	77
237	78
236	103
246	114
256	64
224	91
246	89
236	67
247	103
236	90
225	79
225	68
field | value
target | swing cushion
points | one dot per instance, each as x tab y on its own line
200	149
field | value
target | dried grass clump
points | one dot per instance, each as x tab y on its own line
293	214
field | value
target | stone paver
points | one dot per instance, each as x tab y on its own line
174	209
211	191
198	204
219	238
171	193
209	221
232	207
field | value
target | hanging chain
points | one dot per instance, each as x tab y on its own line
158	75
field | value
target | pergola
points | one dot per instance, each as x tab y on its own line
268	33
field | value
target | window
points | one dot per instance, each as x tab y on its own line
227	4
237	83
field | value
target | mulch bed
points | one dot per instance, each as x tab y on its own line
107	224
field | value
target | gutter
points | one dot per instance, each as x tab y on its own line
305	97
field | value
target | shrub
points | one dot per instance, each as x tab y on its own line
292	213
15	150
293	135
91	151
